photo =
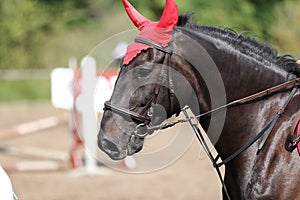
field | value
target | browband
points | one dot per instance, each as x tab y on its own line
153	44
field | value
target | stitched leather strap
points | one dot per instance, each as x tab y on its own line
126	113
153	44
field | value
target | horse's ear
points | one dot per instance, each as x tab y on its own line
139	20
169	17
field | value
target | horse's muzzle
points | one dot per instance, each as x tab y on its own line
118	152
111	149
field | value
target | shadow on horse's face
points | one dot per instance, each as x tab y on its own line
134	91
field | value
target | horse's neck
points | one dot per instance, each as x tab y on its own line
243	76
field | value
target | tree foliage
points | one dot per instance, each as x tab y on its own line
27	25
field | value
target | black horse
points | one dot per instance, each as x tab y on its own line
159	81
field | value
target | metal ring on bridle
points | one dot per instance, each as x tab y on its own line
141	131
150	112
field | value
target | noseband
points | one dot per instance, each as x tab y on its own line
144	117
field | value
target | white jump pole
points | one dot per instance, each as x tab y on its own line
85	104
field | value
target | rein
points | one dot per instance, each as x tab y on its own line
238	102
199	132
255	96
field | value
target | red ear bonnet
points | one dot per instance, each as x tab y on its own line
159	32
139	20
169	17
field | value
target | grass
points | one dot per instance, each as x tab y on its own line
24	90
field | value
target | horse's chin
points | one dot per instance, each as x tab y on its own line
115	156
131	149
128	152
118	157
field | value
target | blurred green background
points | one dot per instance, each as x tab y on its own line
43	34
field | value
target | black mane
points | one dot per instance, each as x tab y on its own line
246	45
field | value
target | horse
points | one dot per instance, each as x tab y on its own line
158	78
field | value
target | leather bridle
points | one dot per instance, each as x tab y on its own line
143	117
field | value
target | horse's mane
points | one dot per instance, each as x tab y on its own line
244	44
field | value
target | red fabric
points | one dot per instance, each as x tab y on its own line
169	17
157	35
159	32
133	50
139	20
298	133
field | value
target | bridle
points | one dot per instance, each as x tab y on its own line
143	129
143	117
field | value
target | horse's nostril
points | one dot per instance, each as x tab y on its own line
111	146
104	145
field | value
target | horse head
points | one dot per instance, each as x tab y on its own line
150	87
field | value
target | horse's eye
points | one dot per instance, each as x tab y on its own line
143	72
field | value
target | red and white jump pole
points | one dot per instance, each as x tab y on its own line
33	126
